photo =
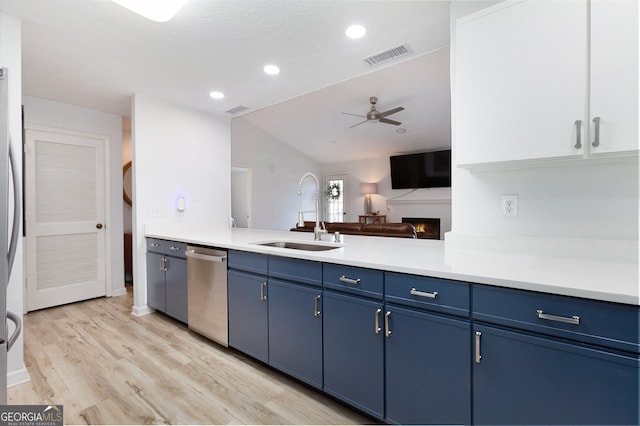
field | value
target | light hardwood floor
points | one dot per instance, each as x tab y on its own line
108	367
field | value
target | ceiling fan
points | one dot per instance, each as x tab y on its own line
374	115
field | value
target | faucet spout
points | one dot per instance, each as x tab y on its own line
317	230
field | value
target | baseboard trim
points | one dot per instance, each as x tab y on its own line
138	311
18	377
118	292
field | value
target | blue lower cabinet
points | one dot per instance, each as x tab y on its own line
248	314
354	351
295	330
176	288
522	378
156	297
427	368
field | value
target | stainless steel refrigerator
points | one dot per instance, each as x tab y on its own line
8	236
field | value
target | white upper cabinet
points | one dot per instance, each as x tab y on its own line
524	88
614	76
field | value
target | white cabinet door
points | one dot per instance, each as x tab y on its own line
614	75
520	82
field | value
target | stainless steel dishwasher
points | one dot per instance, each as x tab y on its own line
207	293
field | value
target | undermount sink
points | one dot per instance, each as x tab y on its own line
296	245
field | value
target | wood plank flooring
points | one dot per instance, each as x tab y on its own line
108	367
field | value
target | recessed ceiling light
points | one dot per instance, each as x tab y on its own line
216	95
356	31
401	130
157	10
271	69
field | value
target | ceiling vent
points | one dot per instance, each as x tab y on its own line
237	109
388	55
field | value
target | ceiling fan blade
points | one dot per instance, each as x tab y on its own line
357	115
391	111
359	124
387	121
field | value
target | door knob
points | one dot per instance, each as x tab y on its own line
99	226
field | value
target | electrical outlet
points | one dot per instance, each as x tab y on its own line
155	212
509	206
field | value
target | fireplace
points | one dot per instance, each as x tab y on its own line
428	228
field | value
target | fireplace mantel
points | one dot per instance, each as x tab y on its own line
424	201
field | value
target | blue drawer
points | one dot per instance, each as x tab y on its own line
602	323
298	270
351	279
170	248
248	261
436	294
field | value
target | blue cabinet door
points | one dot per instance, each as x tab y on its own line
176	288
248	322
353	351
156	281
295	330
427	368
522	378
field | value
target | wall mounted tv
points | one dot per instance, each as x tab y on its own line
423	170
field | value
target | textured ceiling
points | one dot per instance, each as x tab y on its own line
96	54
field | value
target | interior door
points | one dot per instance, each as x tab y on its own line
65	212
335	187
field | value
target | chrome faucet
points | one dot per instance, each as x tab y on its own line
317	230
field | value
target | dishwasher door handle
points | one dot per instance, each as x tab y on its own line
194	255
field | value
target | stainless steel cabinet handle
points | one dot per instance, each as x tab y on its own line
316	311
478	356
415	292
387	331
572	320
377	321
596	138
174	248
164	264
154	245
578	124
350	280
263	293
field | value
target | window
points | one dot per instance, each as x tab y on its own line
335	195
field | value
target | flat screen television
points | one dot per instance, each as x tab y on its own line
422	170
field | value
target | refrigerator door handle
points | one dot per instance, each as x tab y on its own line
11	254
18	322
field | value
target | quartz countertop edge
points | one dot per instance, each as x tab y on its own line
606	281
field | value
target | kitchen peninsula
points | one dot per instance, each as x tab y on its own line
409	331
606	281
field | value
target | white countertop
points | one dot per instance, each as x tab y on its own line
608	281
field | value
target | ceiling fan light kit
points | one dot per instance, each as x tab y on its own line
374	116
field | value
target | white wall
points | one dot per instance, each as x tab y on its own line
395	203
579	200
176	153
276	170
10	57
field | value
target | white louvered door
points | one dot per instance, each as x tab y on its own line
65	211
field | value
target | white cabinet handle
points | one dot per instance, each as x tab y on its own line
573	320
596	138
578	124
415	292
